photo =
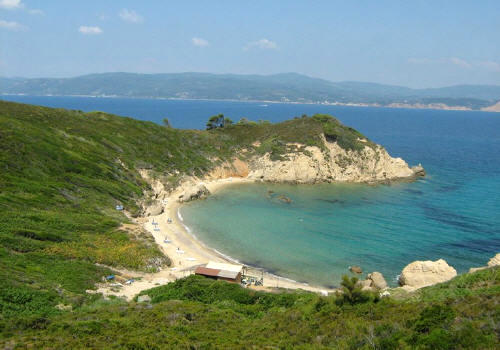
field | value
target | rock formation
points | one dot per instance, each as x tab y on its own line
194	192
377	280
495	261
420	274
355	269
332	164
154	209
374	281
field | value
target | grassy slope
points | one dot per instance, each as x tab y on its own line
59	181
199	313
62	173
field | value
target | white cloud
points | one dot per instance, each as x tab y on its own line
261	44
200	42
36	12
14	26
490	65
460	62
416	60
18	4
11	4
130	16
89	30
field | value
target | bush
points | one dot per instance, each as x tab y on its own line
352	292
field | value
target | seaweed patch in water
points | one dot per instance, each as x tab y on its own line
412	191
332	201
463	222
478	245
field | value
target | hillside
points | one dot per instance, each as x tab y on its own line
64	171
288	87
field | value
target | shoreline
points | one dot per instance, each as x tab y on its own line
341	104
187	252
270	280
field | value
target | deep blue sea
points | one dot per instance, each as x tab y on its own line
453	213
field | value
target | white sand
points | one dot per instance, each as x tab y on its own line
186	252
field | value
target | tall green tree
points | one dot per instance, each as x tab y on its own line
352	292
218	121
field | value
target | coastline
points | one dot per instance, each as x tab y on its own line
187	252
342	104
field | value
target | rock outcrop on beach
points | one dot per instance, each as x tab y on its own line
374	281
154	209
194	192
332	164
494	261
377	280
420	274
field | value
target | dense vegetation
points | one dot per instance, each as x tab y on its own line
63	172
199	313
278	87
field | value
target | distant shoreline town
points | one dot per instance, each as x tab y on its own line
279	88
433	106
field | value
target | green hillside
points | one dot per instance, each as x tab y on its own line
63	172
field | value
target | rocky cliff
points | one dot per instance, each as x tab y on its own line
312	164
332	164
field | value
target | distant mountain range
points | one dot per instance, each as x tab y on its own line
287	87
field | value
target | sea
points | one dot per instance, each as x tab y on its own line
453	213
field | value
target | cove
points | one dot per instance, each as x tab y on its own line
328	227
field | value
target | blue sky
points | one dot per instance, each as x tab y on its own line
411	43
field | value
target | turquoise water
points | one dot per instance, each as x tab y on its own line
454	213
329	227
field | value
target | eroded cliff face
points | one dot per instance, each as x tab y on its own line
311	165
300	164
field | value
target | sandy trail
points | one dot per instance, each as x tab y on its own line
186	252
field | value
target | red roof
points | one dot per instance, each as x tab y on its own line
205	271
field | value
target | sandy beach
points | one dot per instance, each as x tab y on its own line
186	252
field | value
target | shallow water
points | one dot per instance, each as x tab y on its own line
454	213
329	227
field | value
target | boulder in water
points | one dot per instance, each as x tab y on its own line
284	199
418	170
355	269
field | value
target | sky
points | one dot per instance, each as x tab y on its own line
411	43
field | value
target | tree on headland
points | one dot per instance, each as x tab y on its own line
166	123
218	121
